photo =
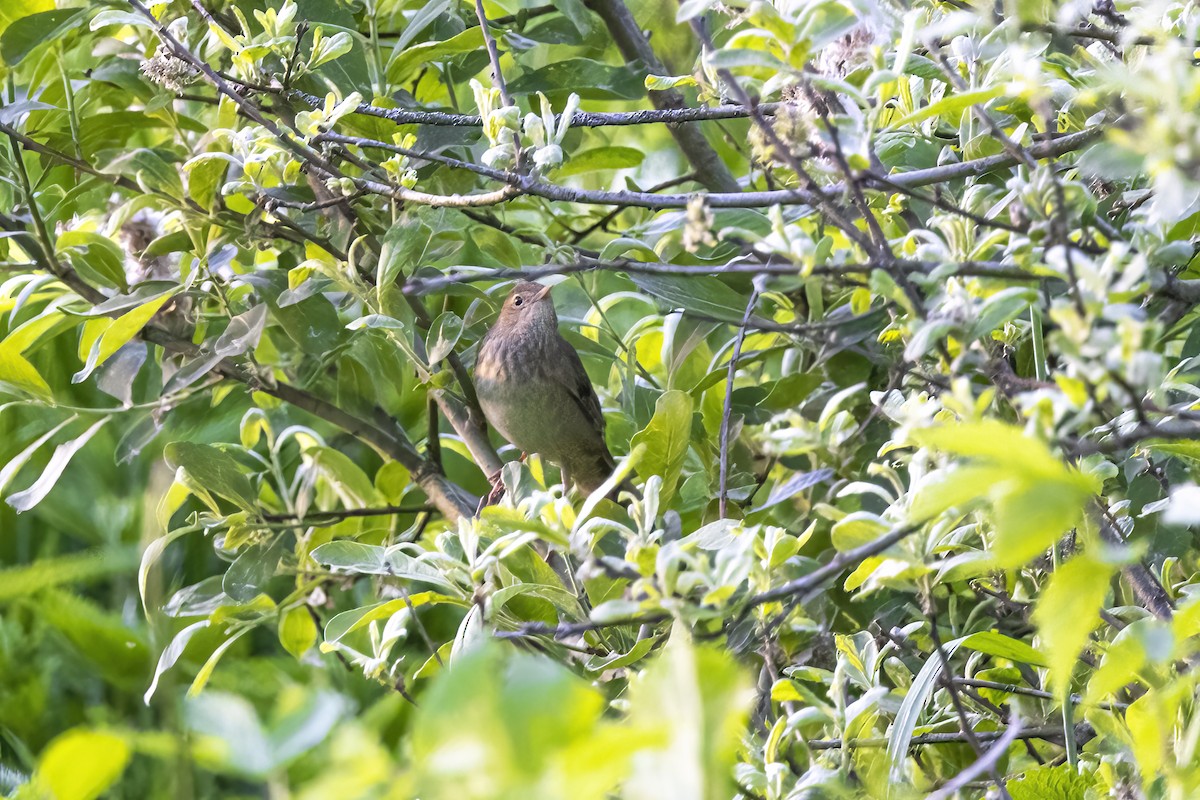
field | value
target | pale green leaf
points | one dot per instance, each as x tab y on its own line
1067	612
82	764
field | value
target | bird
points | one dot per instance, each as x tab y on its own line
533	389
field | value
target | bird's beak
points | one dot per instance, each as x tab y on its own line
543	294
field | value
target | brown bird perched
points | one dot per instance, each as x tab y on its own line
533	389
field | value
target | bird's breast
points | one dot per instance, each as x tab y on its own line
536	416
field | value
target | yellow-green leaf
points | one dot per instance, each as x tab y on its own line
1069	610
297	631
950	105
19	376
666	438
81	764
118	333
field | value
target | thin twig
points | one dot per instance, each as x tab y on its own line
567	629
836	565
1009	688
1047	733
580	119
493	52
727	407
985	763
348	513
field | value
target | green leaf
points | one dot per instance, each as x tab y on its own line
1031	519
365	559
659	83
923	67
205	174
347	622
856	529
1035	497
591	80
150	168
82	764
346	478
1153	725
577	13
214	470
950	105
444	334
96	258
171	654
155	549
822	23
114	16
713	536
618	247
406	62
250	572
1068	611
689	9
27	499
601	158
38	330
702	698
1045	782
353	557
297	631
13	10
953	488
666	438
910	710
743	57
233	730
206	671
1186	450
599	664
535	730
404	247
1123	659
100	636
120	331
1001	308
700	294
23	36
18	376
1001	646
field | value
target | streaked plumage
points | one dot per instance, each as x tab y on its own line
534	390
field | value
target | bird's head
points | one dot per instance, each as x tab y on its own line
528	307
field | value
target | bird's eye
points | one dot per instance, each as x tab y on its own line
518	301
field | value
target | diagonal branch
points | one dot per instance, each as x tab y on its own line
710	170
389	441
727	407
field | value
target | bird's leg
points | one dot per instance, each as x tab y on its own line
496	479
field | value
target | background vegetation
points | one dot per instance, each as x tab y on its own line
890	307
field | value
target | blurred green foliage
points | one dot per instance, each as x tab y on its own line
911	416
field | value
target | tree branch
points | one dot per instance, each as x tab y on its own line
710	170
1052	734
580	119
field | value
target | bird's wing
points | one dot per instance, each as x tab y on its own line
570	373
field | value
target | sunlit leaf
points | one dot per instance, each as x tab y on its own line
1068	611
82	764
666	438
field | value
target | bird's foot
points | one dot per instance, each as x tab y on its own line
492	497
